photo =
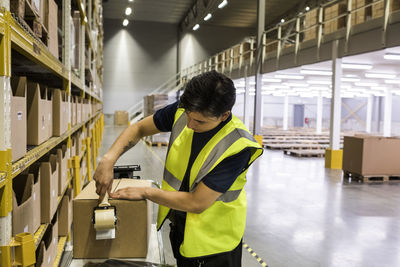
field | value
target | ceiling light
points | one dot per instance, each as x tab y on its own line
366	84
271	80
222	4
318	82
392	81
319	88
356	66
130	1
381	88
296	84
380	75
128	11
196	27
209	16
307	8
125	22
289	76
392	56
350	79
316	72
351	76
282	20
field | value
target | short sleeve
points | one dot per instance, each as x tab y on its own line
222	177
164	118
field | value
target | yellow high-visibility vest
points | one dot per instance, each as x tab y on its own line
220	227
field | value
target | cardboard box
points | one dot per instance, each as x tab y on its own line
38	114
35	6
132	230
311	19
51	23
47	250
121	117
371	155
78	102
62	158
77	32
333	12
73	110
48	188
65	214
22	213
34	169
49	114
18	7
378	9
60	112
18	117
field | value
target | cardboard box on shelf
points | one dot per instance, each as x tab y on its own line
78	102
49	111
38	112
371	155
18	7
51	23
132	229
77	32
35	4
36	205
47	250
65	214
48	188
310	21
333	12
62	158
121	117
73	110
22	213
60	114
18	117
378	8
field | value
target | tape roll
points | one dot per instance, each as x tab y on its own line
104	219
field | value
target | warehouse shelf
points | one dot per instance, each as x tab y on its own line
60	249
59	198
2	23
40	233
39	151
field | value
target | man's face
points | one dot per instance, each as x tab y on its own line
200	123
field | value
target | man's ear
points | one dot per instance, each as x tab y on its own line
225	115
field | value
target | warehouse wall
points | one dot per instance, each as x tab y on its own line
137	59
196	46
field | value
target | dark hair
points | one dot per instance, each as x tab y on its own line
210	93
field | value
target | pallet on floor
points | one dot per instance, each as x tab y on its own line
295	146
307	153
371	178
157	144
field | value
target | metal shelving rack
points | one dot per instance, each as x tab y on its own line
19	250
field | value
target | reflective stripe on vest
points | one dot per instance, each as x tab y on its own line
220	227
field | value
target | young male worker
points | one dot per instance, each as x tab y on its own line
208	157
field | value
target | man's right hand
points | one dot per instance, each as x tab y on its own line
104	176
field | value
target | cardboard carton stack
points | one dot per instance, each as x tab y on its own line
60	112
361	15
333	12
121	117
152	103
311	19
371	155
48	188
132	229
23	209
378	9
272	45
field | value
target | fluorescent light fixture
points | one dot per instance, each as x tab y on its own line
380	75
223	4
296	84
196	27
209	16
252	94
318	82
350	79
367	84
319	88
392	56
356	66
379	88
317	72
289	76
128	11
392	81
130	1
282	20
271	80
125	22
351	76
307	8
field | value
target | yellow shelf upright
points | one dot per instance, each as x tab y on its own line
74	163
88	159
94	145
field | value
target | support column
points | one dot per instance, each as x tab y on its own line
387	115
333	155
257	100
246	101
368	121
319	113
285	112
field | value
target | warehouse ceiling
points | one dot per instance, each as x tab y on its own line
237	13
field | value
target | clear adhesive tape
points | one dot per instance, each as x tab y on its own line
104	219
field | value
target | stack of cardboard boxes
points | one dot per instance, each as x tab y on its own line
361	15
332	12
378	8
152	103
310	22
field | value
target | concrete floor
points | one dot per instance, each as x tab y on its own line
301	214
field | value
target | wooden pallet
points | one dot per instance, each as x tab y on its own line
157	144
371	178
295	146
308	153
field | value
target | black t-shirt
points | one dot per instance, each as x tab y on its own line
219	179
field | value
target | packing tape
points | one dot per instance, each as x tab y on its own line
104	219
